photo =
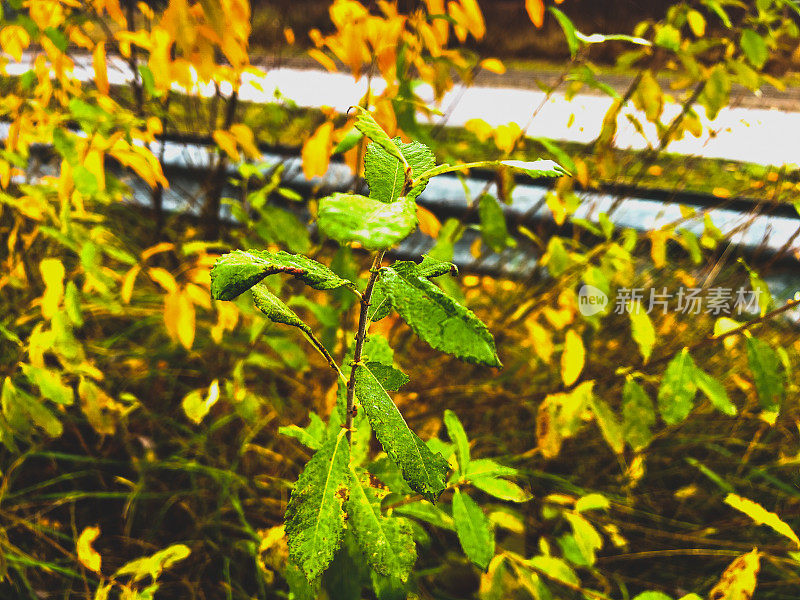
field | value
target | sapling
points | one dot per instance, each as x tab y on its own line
335	496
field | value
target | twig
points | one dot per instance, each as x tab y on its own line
361	336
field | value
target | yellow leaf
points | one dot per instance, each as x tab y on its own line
101	410
164	278
245	140
738	582
557	206
493	65
94	164
185	326
428	223
145	9
697	23
196	407
198	295
53	276
227	317
316	151
227	143
126	290
572	358
157	249
535	10
14	39
100	68
541	340
475	247
761	516
658	249
506	136
482	130
172	313
323	59
87	555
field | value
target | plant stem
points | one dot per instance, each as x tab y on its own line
327	355
361	337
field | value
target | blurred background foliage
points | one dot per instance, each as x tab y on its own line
139	424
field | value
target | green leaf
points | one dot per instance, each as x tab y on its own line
424	471
716	92
535	169
586	537
349	141
385	540
314	516
764	362
388	377
642	330
754	48
457	434
668	37
18	404
275	309
569	30
428	513
486	467
717	9
473	529
370	128
374	224
648	96
493	223
501	488
554	568
653	596
593	501
677	390
638	415
49	384
607	421
385	175
761	516
436	317
715	392
313	436
238	271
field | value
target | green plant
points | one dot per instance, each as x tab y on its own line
335	497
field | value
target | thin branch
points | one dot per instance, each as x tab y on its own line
361	336
327	355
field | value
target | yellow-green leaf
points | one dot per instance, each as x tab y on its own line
573	358
761	516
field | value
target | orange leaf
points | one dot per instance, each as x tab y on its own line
428	223
100	68
474	18
288	34
316	151
493	65
323	59
535	10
